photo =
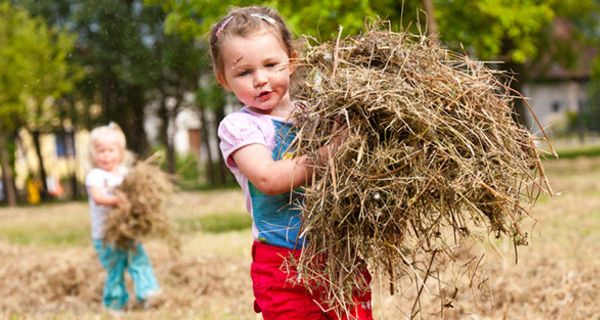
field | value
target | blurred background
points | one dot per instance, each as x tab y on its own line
67	66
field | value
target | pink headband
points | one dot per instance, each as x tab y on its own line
223	25
261	16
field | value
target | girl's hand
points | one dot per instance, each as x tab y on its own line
119	199
102	197
341	132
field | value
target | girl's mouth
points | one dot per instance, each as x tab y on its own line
264	95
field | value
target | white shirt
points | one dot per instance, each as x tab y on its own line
108	181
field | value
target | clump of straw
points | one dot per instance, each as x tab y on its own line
144	193
433	155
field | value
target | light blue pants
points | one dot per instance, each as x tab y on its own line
116	261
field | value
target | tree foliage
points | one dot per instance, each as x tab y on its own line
34	70
319	19
506	30
35	66
18	34
130	61
518	33
495	29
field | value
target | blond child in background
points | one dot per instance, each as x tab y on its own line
253	57
107	151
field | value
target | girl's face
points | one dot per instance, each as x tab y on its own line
257	69
108	153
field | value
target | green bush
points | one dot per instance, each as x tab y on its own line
188	173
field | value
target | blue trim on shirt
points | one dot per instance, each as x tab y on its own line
277	217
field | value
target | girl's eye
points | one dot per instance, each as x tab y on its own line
271	65
244	73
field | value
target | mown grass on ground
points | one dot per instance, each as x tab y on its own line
557	276
577	151
42	233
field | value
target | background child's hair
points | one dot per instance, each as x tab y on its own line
100	132
245	21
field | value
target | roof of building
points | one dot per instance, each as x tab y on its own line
577	64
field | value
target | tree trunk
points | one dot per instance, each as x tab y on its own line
133	124
520	114
580	123
204	123
432	29
70	145
38	152
165	116
72	169
7	174
110	99
171	156
219	115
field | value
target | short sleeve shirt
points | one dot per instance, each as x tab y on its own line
107	180
276	218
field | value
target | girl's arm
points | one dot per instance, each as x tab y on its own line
267	175
101	197
278	176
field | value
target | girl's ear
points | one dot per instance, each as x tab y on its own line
221	80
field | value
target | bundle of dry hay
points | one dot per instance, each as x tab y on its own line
144	192
432	155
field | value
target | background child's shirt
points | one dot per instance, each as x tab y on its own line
107	180
276	219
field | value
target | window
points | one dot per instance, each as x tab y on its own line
65	146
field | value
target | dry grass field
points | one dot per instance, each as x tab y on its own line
48	269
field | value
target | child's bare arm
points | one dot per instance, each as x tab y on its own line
101	197
279	176
270	176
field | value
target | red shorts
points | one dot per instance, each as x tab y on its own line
279	299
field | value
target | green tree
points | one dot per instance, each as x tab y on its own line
319	19
112	46
211	98
178	63
56	77
518	33
132	64
494	30
33	71
14	76
184	19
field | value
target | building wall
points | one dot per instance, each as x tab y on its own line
185	121
56	166
552	101
186	131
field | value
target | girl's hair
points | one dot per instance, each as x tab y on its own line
243	22
100	133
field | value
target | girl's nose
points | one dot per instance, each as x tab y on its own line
260	78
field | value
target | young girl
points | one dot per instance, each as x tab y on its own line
107	151
253	57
